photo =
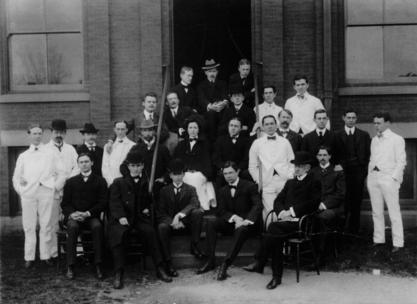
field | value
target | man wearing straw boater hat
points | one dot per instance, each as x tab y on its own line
89	146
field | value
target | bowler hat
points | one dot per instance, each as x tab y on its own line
236	89
89	128
59	125
302	158
176	166
210	64
147	124
134	157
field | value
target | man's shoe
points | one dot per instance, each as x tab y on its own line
28	264
99	273
70	273
396	249
118	280
206	267
222	274
274	283
195	251
170	270
49	262
160	274
254	267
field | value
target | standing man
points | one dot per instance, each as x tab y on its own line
89	133
38	175
113	157
269	107
244	80
385	175
212	97
354	151
186	94
85	197
285	119
303	106
274	154
68	157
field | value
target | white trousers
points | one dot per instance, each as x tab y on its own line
382	187
204	188
40	205
270	193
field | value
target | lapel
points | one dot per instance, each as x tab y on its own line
344	136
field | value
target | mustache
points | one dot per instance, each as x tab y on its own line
285	123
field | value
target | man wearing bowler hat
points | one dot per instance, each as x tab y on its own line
89	146
68	157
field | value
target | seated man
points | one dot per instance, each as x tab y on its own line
240	207
129	210
300	196
331	207
178	207
85	197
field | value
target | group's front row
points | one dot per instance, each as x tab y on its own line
239	209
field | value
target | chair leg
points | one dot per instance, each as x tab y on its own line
316	262
59	254
298	263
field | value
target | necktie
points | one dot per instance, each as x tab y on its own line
174	113
59	147
271	137
350	132
321	134
151	116
36	148
177	190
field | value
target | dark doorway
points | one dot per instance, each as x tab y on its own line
218	29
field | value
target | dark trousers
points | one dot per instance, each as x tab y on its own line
327	221
355	180
273	243
240	235
73	231
147	235
192	222
212	121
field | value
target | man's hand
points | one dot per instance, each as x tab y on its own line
23	181
285	214
160	180
243	223
322	206
176	223
181	131
338	168
145	211
123	221
109	146
245	128
77	216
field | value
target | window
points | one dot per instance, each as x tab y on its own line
45	44
381	41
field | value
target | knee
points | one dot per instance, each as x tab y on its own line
96	226
196	213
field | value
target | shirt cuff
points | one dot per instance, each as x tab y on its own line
323	206
182	215
292	211
88	213
232	218
250	222
279	215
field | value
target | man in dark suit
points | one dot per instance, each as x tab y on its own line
89	133
239	209
295	139
237	109
300	196
129	210
85	197
186	94
231	147
321	136
178	207
244	80
354	146
331	208
212	97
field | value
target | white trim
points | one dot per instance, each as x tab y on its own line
45	97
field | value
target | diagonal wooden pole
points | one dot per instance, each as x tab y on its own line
256	69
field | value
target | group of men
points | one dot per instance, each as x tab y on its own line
289	163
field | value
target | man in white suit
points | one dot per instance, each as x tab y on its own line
385	174
273	154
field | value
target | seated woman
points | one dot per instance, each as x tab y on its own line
194	151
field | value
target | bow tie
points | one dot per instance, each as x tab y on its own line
36	148
185	87
284	131
232	187
91	148
120	140
193	139
271	137
59	147
234	137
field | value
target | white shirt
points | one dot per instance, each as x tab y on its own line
388	154
303	110
193	142
325	166
111	162
148	115
68	156
347	130
268	109
38	167
273	155
322	131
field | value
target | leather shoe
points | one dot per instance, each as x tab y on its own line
222	273
28	264
206	267
396	249
254	267
118	280
170	270
99	273
70	273
160	274
274	283
195	251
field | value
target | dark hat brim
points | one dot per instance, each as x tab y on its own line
209	67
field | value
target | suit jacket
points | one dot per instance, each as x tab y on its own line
84	196
246	202
197	159
226	150
210	92
311	142
362	143
187	99
295	139
127	199
97	157
303	196
333	187
168	207
247	86
174	123
246	115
